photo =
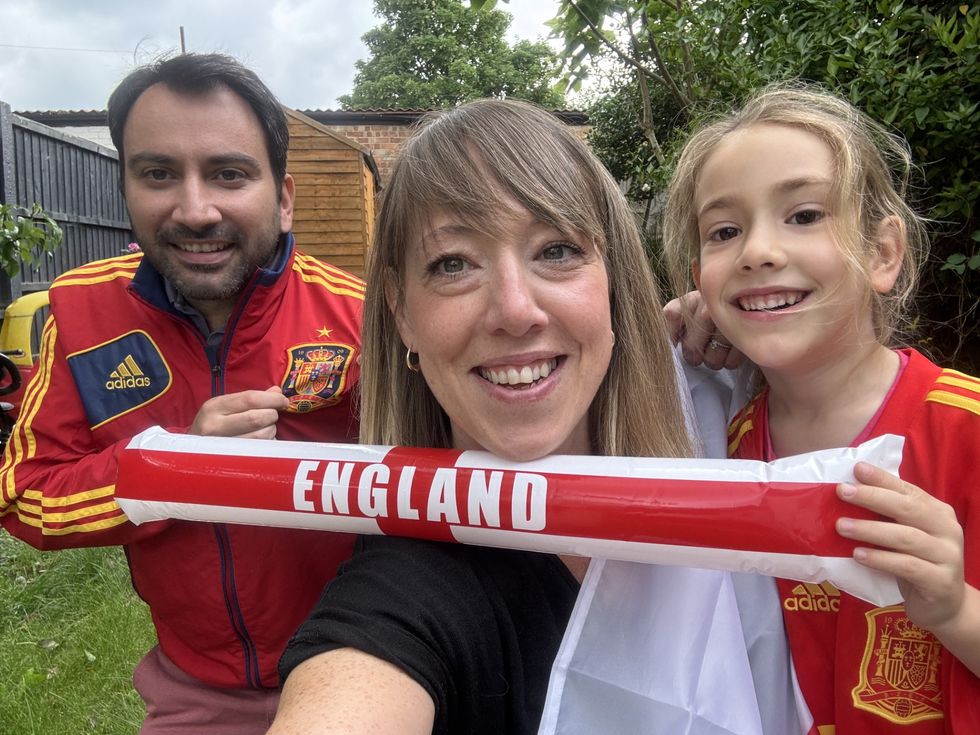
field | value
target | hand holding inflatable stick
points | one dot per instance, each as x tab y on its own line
775	518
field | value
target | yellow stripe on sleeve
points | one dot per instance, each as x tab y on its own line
954	399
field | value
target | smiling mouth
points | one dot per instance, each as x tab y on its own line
519	377
772	301
201	246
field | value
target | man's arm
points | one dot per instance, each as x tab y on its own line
57	483
56	486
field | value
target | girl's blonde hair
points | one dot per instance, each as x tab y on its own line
465	162
873	168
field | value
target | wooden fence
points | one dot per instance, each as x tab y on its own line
76	182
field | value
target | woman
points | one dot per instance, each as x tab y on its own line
511	309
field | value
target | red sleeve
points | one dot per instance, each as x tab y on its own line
57	487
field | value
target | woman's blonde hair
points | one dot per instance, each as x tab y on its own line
873	168
464	162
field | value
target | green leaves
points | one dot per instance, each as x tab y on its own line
911	65
959	263
25	235
440	53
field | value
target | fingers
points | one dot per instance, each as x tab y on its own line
901	539
888	495
922	544
691	326
251	413
675	320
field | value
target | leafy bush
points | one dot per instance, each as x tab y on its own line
26	234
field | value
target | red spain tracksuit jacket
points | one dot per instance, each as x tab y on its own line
117	358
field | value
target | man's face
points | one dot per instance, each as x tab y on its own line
201	193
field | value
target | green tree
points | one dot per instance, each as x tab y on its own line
910	65
439	53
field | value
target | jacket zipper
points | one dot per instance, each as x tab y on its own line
217	355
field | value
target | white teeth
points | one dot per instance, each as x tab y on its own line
771	301
525	375
201	247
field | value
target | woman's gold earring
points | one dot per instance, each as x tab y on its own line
408	361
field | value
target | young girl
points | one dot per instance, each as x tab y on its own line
804	253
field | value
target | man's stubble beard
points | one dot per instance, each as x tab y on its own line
237	274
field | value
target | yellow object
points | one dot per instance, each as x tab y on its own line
18	320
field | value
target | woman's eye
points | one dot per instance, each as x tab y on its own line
448	266
559	251
806	217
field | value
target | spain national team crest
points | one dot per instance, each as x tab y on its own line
317	375
900	669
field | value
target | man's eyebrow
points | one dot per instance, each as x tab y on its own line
146	157
222	159
234	159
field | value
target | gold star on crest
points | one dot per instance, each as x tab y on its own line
323	332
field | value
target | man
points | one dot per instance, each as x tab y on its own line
220	327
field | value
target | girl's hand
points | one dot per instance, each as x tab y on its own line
923	547
700	340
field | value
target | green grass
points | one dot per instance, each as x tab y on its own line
71	632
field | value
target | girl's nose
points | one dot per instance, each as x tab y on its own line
761	249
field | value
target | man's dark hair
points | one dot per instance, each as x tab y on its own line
199	74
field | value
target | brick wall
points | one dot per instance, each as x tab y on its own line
383	142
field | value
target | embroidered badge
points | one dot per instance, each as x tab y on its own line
120	376
900	670
316	376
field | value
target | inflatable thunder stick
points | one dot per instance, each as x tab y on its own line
738	515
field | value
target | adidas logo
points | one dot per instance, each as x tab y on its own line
823	597
127	375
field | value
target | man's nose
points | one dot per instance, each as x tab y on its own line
195	207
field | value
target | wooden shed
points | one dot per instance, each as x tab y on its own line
336	182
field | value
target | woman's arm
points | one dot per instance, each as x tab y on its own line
348	691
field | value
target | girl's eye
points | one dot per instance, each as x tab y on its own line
724	233
806	217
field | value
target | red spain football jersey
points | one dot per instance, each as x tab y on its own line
866	670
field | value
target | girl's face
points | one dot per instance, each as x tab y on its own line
770	272
513	331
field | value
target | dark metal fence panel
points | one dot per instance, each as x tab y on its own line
76	182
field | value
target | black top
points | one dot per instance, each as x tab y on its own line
478	628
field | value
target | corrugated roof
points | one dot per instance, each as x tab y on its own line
61	118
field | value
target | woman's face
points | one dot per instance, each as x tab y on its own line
513	331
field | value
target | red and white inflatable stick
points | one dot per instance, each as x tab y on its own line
737	515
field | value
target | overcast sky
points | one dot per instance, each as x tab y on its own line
303	49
